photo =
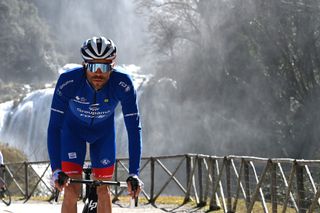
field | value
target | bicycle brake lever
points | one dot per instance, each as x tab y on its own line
123	185
56	196
136	200
62	178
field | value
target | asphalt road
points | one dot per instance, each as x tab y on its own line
46	207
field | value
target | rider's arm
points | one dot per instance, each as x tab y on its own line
58	106
1	158
128	98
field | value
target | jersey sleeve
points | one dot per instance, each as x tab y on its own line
58	107
128	99
1	158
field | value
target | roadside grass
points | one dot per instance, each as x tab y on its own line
176	203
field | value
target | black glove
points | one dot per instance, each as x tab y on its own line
135	182
60	177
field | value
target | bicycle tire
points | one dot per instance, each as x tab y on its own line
6	197
85	208
5	194
91	201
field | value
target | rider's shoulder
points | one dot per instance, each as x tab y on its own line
122	82
70	77
120	74
73	72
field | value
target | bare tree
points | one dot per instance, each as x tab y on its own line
257	61
27	54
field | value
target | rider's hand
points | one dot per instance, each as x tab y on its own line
59	179
134	185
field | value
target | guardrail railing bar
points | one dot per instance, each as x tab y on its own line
145	165
35	187
40	177
116	192
258	188
239	184
219	183
171	176
315	201
214	199
207	166
288	192
211	168
142	190
311	181
310	178
15	181
190	176
15	173
286	185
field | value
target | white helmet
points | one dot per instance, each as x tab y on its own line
98	48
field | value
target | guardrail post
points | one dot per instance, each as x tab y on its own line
300	189
213	200
152	176
314	202
116	179
26	179
200	182
188	177
188	169
274	187
228	182
247	182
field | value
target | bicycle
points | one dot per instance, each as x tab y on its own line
90	199
5	194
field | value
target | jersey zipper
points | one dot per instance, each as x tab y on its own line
94	102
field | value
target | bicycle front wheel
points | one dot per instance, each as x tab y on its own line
6	197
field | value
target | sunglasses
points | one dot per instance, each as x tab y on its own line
103	67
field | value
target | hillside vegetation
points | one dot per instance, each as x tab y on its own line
11	155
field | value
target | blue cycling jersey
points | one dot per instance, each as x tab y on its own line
89	114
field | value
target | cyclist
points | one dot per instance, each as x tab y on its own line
1	171
82	111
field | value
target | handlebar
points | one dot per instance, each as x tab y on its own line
98	182
104	182
93	183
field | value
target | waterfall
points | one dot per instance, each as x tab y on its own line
23	124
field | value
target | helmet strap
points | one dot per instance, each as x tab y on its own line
85	66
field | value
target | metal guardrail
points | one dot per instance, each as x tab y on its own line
228	183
